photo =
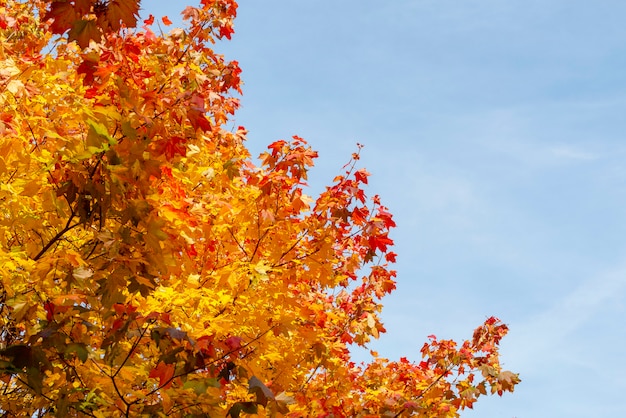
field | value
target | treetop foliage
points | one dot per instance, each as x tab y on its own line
149	268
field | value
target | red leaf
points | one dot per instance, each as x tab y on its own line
166	20
149	20
380	242
231	76
276	146
391	257
63	16
198	120
49	307
386	217
361	175
226	31
233	343
191	250
88	68
359	215
117	324
164	372
173	146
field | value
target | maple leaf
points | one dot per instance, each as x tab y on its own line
163	372
263	393
121	12
233	343
380	242
391	257
226	31
198	120
239	407
83	31
507	381
80	350
174	146
82	7
63	15
361	175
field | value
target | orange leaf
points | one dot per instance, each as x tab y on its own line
164	372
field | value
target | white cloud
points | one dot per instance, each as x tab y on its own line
568	152
536	341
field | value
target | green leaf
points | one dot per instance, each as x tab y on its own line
232	170
98	137
198	386
128	131
8	367
34	377
201	386
84	31
79	349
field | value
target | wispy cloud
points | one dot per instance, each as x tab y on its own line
568	152
535	342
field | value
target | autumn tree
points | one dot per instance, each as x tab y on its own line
149	268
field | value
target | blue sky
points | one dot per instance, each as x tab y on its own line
494	132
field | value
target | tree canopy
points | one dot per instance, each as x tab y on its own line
149	267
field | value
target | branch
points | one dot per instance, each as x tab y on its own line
204	366
230	230
130	352
58	236
433	383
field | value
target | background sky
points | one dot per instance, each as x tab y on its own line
494	132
